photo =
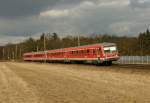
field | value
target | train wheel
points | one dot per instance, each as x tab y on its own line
108	63
95	62
73	62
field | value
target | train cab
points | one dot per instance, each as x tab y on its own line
110	52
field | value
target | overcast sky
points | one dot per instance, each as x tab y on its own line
22	18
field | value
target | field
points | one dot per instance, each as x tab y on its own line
72	83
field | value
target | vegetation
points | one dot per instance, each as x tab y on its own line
126	45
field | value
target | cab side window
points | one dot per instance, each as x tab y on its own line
99	51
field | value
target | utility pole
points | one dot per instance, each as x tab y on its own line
3	53
13	55
44	43
16	51
45	48
78	40
37	48
20	52
141	44
8	54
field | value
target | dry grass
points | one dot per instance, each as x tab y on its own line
62	83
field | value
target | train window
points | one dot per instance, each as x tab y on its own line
37	55
61	53
52	54
28	56
94	51
85	51
71	52
80	52
88	51
58	54
49	54
76	52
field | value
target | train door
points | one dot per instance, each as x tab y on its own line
99	54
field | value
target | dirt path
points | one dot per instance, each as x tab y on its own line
62	83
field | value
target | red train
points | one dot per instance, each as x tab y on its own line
96	54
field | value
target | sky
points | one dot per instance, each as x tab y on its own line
20	19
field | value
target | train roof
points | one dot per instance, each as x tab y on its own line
40	52
91	46
107	44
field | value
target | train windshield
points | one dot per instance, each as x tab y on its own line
110	49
